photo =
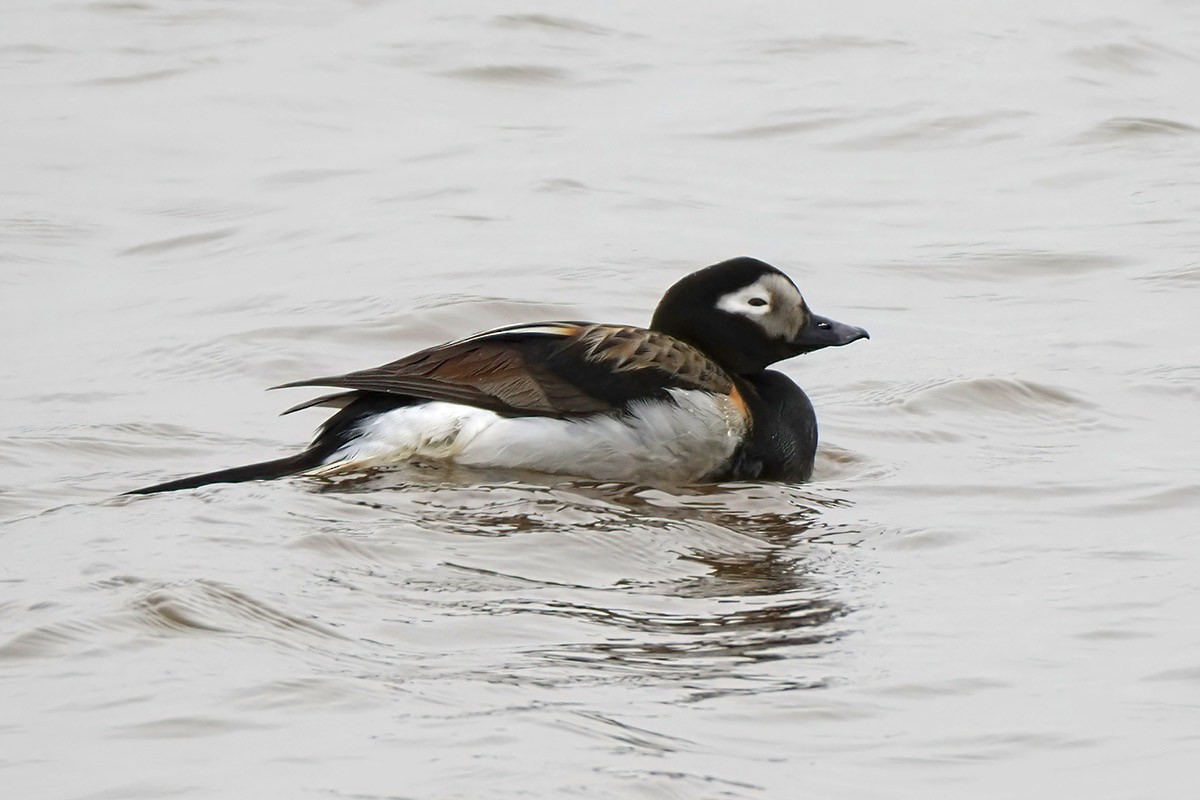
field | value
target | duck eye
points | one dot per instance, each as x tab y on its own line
756	301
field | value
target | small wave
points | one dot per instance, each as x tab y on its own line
1003	264
178	242
1149	500
781	130
563	186
147	76
346	548
54	638
296	177
187	727
994	396
522	74
1129	59
1181	379
36	49
134	440
209	606
829	43
551	23
306	692
946	131
1182	277
835	463
196	607
43	231
608	730
1123	129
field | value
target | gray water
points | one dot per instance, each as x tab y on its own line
990	588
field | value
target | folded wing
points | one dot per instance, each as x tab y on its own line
553	369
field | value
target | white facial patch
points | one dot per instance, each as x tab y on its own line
772	302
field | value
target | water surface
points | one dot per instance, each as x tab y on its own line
989	589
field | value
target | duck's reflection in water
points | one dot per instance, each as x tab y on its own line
663	581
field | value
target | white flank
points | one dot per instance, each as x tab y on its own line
657	441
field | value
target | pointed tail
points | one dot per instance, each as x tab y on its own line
340	429
262	471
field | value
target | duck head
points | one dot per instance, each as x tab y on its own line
746	315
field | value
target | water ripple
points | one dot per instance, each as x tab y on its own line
199	606
552	23
1123	129
179	242
213	607
946	131
1006	396
517	74
145	76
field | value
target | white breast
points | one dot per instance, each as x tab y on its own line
656	441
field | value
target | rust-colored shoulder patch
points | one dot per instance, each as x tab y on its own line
739	403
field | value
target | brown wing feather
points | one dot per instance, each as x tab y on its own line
518	372
502	374
626	349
